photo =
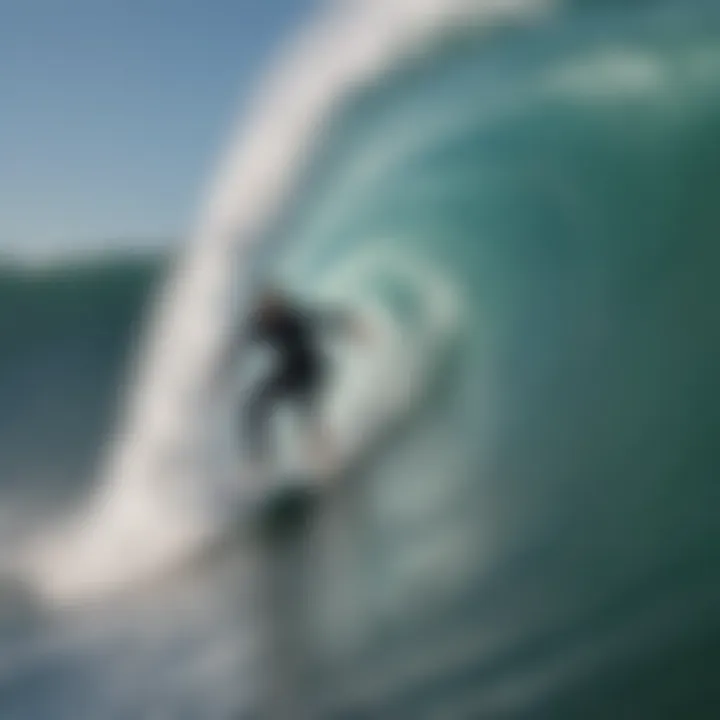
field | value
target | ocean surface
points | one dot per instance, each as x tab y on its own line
537	534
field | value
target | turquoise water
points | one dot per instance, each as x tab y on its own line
539	539
556	504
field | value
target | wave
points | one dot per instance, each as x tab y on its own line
148	496
65	333
536	534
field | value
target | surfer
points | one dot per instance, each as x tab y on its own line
294	334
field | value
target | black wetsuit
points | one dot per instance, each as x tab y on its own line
300	371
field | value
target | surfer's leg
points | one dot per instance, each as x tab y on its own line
320	444
315	435
260	406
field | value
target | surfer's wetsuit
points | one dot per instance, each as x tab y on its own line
300	372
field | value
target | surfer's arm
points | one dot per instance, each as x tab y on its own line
340	322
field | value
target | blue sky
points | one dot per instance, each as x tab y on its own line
113	112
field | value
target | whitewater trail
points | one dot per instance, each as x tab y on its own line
144	514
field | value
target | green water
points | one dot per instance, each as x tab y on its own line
540	539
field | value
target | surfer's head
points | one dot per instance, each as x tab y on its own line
270	302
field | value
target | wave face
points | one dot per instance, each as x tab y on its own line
537	537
